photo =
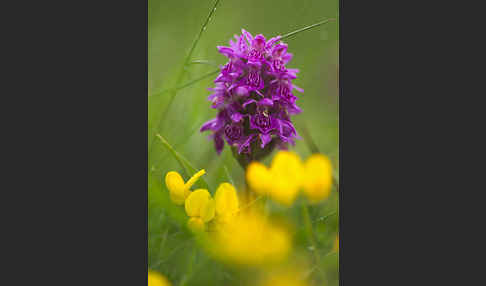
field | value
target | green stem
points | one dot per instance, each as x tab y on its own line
183	69
204	62
310	237
198	79
228	175
308	139
190	268
288	35
198	37
185	164
187	84
308	225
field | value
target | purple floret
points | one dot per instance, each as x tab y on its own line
254	95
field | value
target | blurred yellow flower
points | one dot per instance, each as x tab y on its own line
157	279
336	244
287	175
200	208
179	190
251	239
227	203
287	278
258	177
318	177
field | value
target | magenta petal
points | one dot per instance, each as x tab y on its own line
236	117
247	35
258	42
249	101
226	51
241	91
272	41
208	125
266	138
245	146
279	50
287	57
266	102
259	93
218	144
298	88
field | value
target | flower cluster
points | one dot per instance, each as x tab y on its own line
288	174
199	205
240	236
251	239
254	95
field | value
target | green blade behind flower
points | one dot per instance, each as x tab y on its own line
185	164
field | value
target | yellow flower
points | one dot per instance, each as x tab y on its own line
336	244
227	203
258	177
157	279
200	207
179	190
251	239
287	175
318	178
282	181
287	278
196	224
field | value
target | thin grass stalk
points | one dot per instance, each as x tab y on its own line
183	69
288	35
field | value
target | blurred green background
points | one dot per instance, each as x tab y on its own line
172	27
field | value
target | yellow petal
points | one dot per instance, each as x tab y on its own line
287	176
258	177
251	238
285	277
196	224
318	177
175	184
157	279
336	244
194	178
196	201
226	200
208	210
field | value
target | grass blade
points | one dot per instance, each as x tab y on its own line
203	28
187	84
204	62
288	35
189	55
183	71
228	175
185	164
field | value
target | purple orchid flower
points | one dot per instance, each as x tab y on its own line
254	94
